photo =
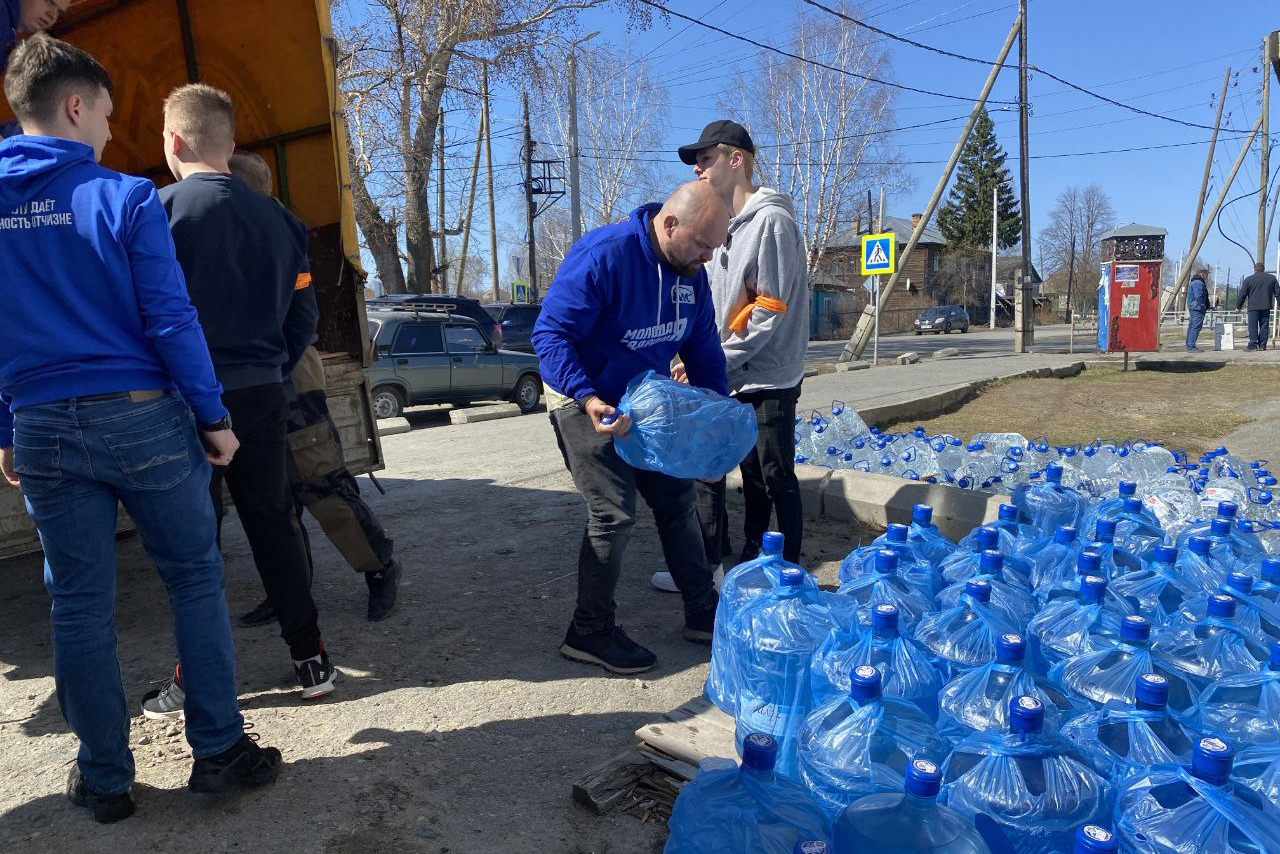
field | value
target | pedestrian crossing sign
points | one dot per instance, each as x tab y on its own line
879	252
520	293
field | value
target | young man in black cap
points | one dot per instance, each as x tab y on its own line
760	287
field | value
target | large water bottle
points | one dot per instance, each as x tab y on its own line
1254	614
744	582
966	561
1001	443
1007	527
951	455
1027	790
1173	501
863	743
1219	489
964	635
1157	591
1109	676
979	468
1179	809
747	808
1116	560
1100	467
1147	463
907	671
1050	556
862	561
774	640
926	541
978	700
1107	508
1197	565
1138	530
917	459
907	822
1258	768
1210	648
1223	532
1268	587
1244	708
1088	563
1009	591
1066	627
847	422
1122	742
1047	505
886	586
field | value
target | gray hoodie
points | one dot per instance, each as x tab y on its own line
764	255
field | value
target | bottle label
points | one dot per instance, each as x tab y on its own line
758	716
1097	834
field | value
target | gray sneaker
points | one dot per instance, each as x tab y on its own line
165	703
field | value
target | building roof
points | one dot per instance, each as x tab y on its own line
1009	268
898	225
1134	229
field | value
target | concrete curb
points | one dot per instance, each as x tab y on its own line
483	413
393	426
844	367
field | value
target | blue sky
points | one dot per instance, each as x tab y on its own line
1166	57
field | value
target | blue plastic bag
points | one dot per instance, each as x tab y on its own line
1157	591
1210	648
1254	615
886	587
918	572
1050	557
964	636
966	562
928	543
1258	767
1244	709
1110	675
1045	506
1009	593
682	430
1066	627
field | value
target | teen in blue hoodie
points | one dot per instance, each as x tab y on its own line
96	334
628	298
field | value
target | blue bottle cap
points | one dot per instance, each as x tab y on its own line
811	846
1275	655
1132	505
1128	488
884	620
1212	759
1135	629
792	577
896	533
975	447
1026	714
771	543
922	514
1088	562
1010	649
924	779
1153	690
1222	606
1227	509
864	683
759	751
979	589
1271	569
1053	472
991	562
1267	480
1106	531
1241	582
1200	546
1166	554
886	560
1220	528
1092	589
1092	839
1065	534
988	538
1008	513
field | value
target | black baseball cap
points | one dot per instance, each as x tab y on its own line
730	133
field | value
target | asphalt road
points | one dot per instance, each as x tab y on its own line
976	342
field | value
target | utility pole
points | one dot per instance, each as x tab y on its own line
1268	45
875	348
995	226
1071	271
529	203
1024	315
488	163
471	206
440	229
575	200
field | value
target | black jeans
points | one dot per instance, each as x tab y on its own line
609	486
259	484
1259	328
769	482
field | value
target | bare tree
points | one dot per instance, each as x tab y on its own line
819	133
399	57
1070	243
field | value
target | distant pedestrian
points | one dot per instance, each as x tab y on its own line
627	299
1258	293
1197	305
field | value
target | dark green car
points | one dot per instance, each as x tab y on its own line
441	357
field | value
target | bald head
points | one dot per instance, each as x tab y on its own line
691	224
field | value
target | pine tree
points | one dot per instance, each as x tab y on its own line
965	218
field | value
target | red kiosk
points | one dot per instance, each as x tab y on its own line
1129	290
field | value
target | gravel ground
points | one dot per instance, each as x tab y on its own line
457	727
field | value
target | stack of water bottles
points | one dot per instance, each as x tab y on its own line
1174	488
1078	677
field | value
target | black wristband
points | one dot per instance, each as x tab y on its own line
223	423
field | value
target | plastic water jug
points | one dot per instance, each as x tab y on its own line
926	541
862	561
1009	593
1157	591
964	635
1212	647
1245	708
1045	506
1109	676
1052	557
886	586
966	561
1254	615
1108	508
1066	627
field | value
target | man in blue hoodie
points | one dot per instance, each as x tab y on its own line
627	299
1197	306
107	391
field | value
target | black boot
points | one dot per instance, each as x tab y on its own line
383	588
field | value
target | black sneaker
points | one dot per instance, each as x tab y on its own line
700	627
105	809
244	765
383	587
166	702
316	676
610	649
259	616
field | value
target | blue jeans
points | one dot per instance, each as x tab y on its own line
76	460
1259	327
1195	322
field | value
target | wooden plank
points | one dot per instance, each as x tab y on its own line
703	711
690	740
675	767
603	788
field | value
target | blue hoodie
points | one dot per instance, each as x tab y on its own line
93	300
615	310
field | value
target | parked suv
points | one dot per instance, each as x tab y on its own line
455	303
517	322
442	357
941	319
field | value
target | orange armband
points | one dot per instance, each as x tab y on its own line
739	322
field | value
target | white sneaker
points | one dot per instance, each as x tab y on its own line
663	581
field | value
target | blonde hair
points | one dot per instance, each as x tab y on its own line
748	159
253	170
203	116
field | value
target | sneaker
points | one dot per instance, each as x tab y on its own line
663	581
383	587
316	676
700	627
244	765
105	809
610	649
166	702
1194	350
259	616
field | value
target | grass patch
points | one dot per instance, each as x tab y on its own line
1189	412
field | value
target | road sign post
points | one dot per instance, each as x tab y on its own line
879	256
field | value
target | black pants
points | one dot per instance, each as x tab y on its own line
259	484
1259	328
609	486
769	483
